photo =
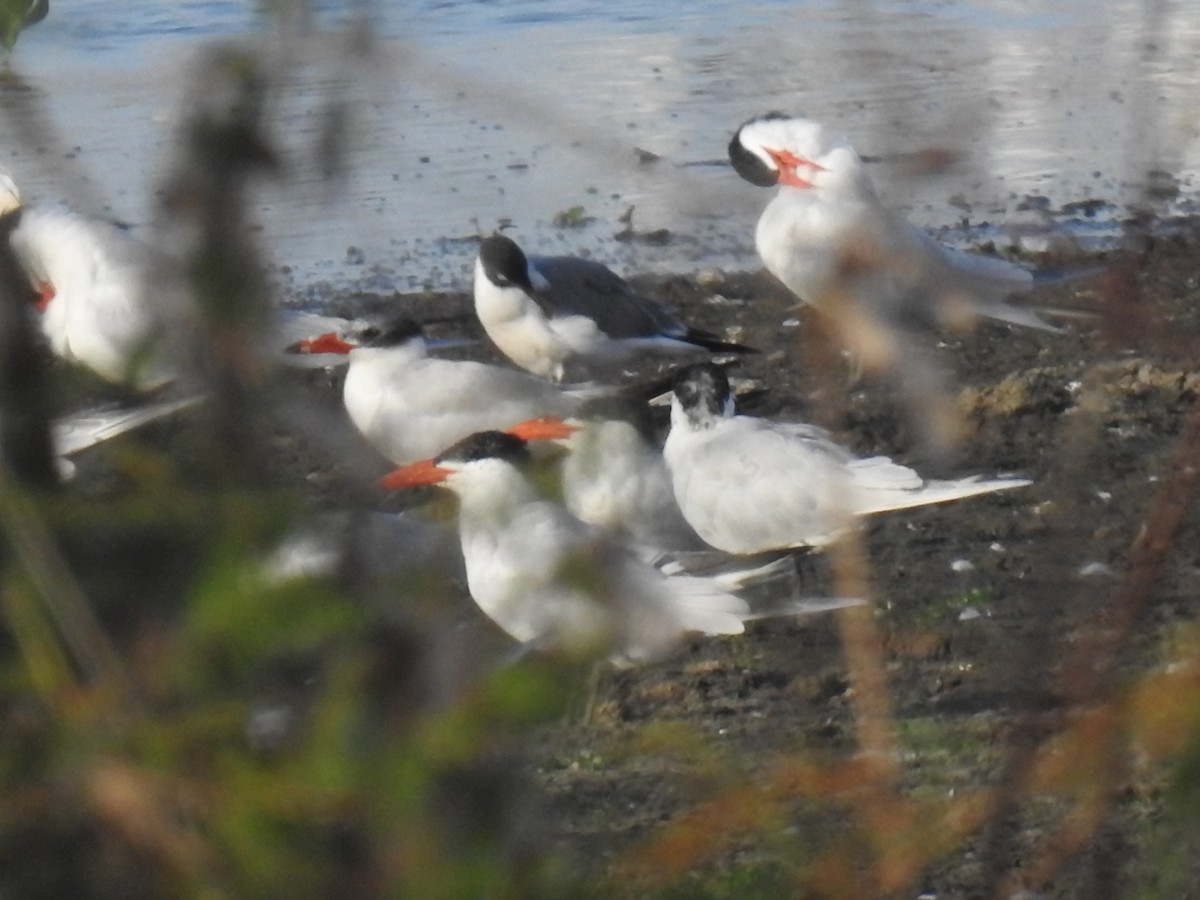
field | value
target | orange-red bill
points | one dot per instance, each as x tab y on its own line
788	163
325	343
45	293
547	428
424	472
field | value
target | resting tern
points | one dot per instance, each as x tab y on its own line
552	581
101	303
614	476
410	405
546	313
110	302
829	239
750	485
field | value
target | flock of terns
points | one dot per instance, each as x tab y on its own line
644	541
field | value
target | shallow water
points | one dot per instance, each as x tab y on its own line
467	114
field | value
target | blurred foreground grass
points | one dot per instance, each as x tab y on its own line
175	722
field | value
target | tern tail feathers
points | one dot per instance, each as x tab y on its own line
804	606
714	344
1061	275
584	391
86	429
742	577
1016	315
707	608
981	268
933	492
702	604
987	280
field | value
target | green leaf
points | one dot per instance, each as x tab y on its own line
16	15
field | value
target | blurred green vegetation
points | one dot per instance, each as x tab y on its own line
174	722
17	15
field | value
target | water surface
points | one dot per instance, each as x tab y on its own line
467	114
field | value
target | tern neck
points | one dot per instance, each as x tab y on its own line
694	419
844	175
490	495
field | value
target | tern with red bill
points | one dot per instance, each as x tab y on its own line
549	313
874	275
554	582
410	405
549	579
750	485
94	285
614	475
112	303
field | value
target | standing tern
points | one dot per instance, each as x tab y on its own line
410	405
750	485
874	275
552	581
546	313
614	475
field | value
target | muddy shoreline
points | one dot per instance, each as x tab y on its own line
981	606
986	611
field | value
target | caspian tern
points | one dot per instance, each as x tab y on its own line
614	475
829	239
295	326
546	313
101	303
750	485
112	303
554	582
410	405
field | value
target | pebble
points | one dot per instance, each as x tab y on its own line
1095	570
